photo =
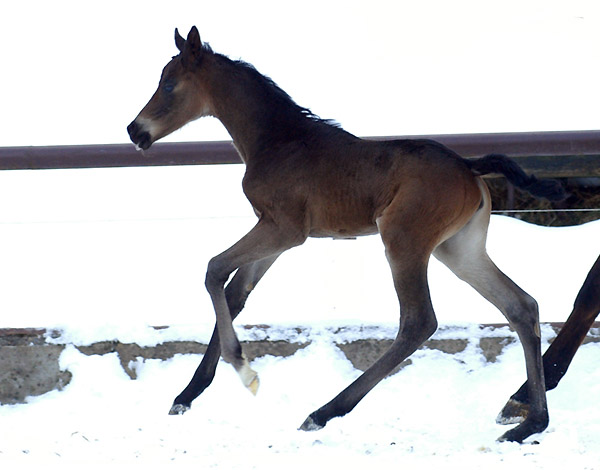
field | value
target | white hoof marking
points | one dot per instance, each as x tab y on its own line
249	378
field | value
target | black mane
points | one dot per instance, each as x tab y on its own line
278	100
281	94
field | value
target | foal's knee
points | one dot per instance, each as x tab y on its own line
216	276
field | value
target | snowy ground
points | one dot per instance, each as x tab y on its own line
108	263
437	413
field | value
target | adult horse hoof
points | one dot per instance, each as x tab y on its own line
514	412
178	409
310	425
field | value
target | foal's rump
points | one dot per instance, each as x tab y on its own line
430	152
442	196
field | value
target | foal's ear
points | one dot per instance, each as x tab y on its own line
179	41
193	40
191	49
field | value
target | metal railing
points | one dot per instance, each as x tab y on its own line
547	154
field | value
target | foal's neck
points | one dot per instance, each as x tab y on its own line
256	113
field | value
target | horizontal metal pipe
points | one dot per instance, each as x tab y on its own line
577	144
116	155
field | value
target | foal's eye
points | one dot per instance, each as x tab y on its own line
168	86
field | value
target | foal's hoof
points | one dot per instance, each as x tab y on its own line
253	385
514	412
178	409
520	433
249	377
310	425
532	425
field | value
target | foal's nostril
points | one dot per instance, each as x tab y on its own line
139	136
132	129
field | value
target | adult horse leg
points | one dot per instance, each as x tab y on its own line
408	258
560	353
466	256
236	293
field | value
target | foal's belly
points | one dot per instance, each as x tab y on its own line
342	234
341	214
342	227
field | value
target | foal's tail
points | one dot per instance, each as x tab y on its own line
496	163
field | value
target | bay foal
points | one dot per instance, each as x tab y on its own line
306	177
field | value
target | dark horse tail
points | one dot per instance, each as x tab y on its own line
496	163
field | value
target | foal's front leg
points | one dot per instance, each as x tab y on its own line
265	240
417	324
236	293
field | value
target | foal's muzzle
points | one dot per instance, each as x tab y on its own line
139	136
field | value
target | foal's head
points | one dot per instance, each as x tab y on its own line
180	98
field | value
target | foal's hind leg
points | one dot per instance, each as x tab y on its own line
560	353
236	292
465	255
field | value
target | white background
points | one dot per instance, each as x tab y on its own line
78	72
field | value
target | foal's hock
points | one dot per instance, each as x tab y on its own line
307	177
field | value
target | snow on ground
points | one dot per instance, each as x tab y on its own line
103	254
437	413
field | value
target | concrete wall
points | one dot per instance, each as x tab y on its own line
29	361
